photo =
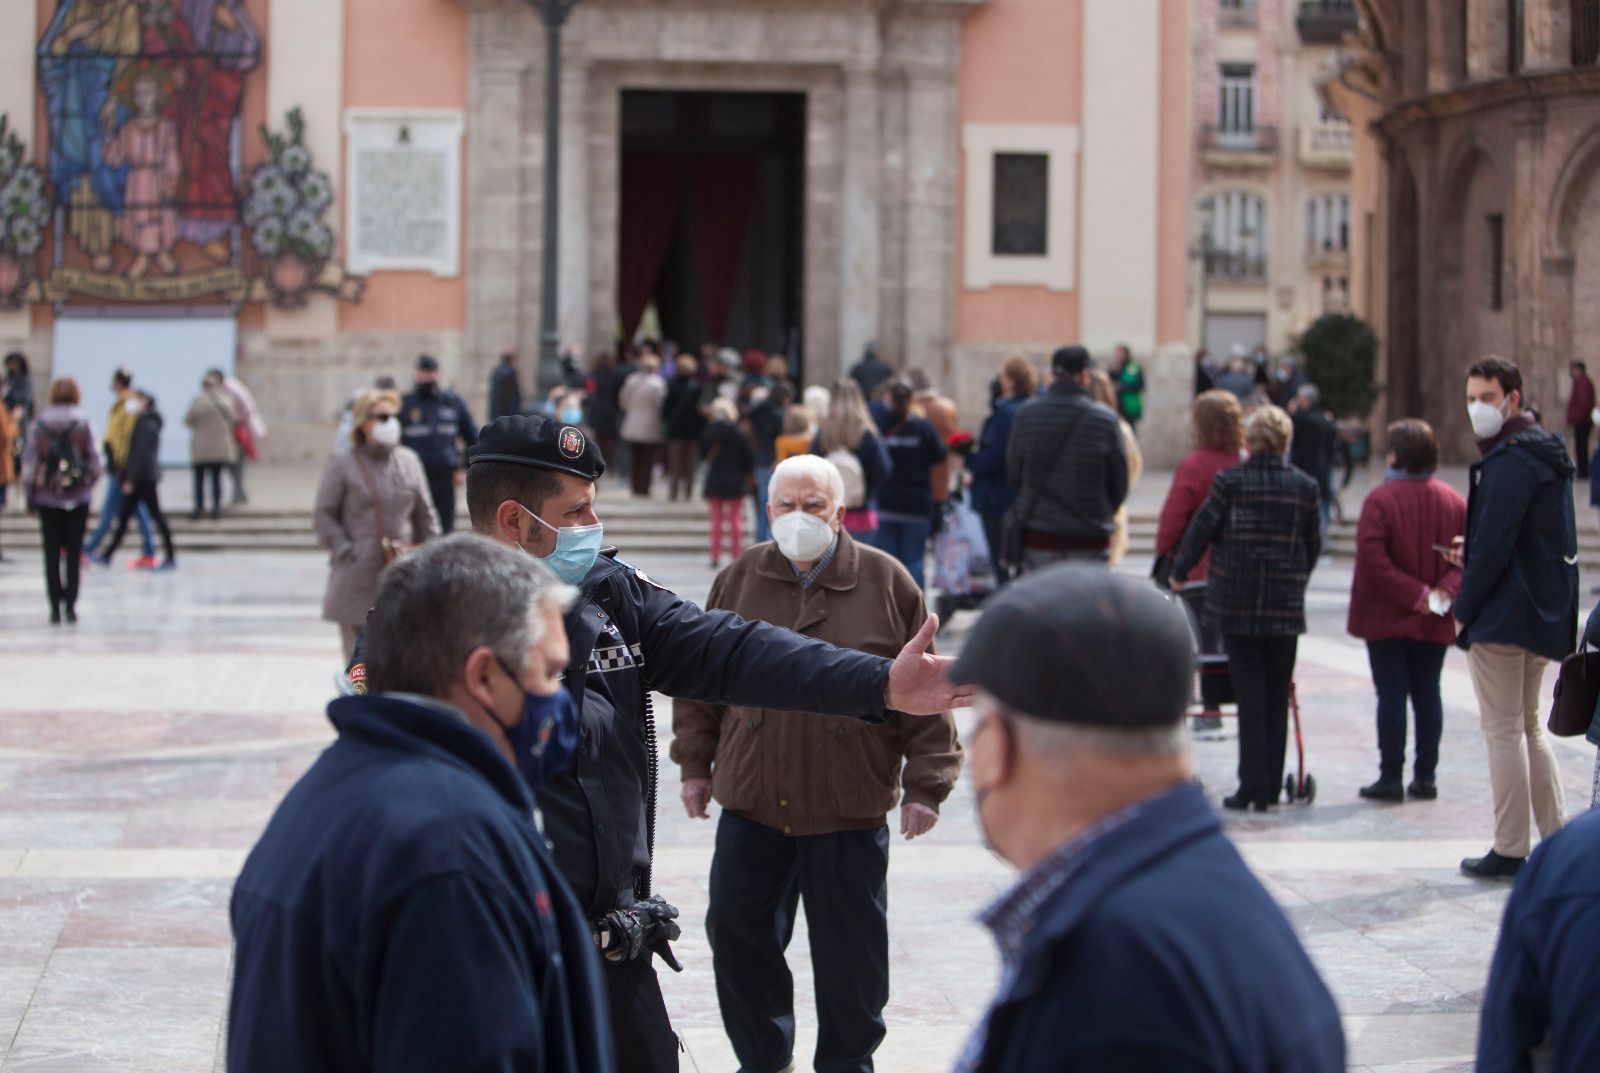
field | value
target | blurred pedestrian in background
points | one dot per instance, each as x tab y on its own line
249	430
763	420
1261	520
435	423
1237	379
1580	408
1102	391
141	483
505	390
849	439
605	405
1316	438
124	414
641	399
1067	465
905	502
9	450
211	418
1127	377
59	468
940	412
871	371
1015	384
813	832
682	423
1218	425
372	504
1136	938
798	431
730	471
402	910
341	435
1517	604
19	391
1204	376
1400	600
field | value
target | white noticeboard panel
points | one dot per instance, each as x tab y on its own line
168	358
403	190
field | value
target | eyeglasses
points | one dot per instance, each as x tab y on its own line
375	416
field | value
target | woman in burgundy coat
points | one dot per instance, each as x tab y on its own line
1400	604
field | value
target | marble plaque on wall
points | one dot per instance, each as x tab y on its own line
403	208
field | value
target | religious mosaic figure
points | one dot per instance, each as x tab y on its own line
147	146
232	47
79	57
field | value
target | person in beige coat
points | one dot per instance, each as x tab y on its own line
1102	391
211	418
805	797
375	491
642	396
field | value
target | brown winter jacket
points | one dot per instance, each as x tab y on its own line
347	525
211	418
806	774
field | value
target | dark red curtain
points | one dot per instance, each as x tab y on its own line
652	188
724	191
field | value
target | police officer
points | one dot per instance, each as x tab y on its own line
531	482
432	419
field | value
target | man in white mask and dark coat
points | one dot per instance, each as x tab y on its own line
805	798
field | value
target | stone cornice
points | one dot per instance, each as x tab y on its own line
1481	96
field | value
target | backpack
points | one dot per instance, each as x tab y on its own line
855	478
63	462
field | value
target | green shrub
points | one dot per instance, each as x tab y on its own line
1340	352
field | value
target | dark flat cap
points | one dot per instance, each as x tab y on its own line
428	363
536	440
1071	360
1080	643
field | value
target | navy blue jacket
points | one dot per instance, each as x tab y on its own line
431	424
505	392
991	494
914	449
1546	969
1520	583
401	912
1163	953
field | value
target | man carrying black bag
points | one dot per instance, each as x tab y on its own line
1069	469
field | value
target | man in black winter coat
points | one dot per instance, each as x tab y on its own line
1315	438
1068	466
141	481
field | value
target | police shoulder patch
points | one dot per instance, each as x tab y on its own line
644	577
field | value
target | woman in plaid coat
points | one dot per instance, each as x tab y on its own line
1261	522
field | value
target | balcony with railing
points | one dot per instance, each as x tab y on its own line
1247	269
1327	145
1325	22
1233	147
1232	14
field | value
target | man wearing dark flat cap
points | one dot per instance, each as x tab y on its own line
531	484
1135	939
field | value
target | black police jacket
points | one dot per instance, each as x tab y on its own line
401	912
431	424
630	636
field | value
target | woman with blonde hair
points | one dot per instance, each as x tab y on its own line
1102	391
848	438
1263	521
372	504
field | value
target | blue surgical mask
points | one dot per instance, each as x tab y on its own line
545	740
572	415
577	547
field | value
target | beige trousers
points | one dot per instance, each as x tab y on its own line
1522	767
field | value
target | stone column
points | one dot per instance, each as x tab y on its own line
860	268
574	295
1526	202
930	219
603	177
824	226
495	178
1486	39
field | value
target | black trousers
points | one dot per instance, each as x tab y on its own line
61	532
442	488
758	878
992	524
143	492
207	472
1580	433
1262	669
1403	669
640	1030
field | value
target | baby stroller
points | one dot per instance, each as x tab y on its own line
1216	690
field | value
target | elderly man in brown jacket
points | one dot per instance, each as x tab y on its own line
805	798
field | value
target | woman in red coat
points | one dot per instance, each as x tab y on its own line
1400	604
1219	444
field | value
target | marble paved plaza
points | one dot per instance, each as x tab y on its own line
141	753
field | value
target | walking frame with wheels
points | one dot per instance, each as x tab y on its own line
1213	683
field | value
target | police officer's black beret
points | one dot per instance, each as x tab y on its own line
428	363
536	440
1080	643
